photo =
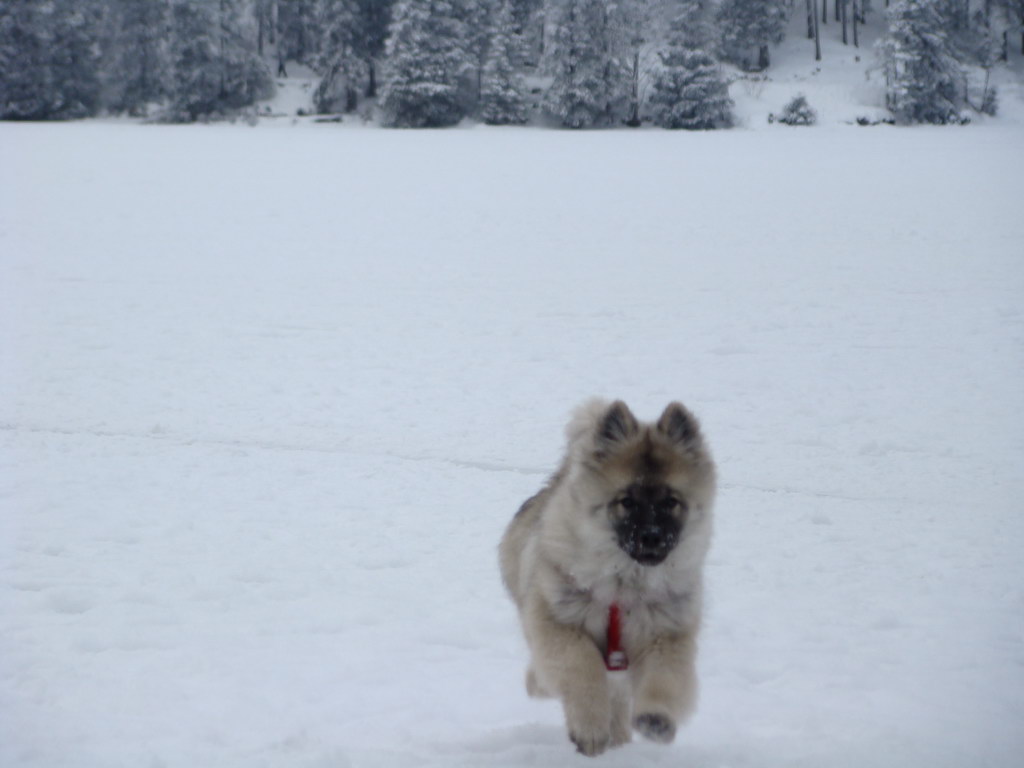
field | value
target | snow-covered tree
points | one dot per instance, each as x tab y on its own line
502	93
690	23
426	62
214	64
591	83
23	93
49	59
340	62
528	24
297	35
375	21
689	90
73	57
749	25
921	71
137	69
478	18
352	38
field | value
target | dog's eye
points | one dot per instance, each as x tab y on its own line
669	504
627	504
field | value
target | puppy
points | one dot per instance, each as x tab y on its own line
604	565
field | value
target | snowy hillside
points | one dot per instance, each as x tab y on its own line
269	396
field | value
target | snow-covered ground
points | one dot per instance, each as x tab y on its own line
268	397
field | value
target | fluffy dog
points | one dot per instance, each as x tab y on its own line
604	565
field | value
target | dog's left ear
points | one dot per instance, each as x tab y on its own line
679	425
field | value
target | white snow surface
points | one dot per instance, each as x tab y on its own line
269	396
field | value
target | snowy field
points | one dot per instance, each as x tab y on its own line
269	396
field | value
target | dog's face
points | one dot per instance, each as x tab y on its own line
646	484
648	519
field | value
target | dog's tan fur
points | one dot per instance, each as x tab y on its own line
563	566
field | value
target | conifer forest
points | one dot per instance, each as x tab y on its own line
431	63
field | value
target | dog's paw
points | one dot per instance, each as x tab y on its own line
591	744
655	727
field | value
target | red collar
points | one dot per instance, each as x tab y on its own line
615	658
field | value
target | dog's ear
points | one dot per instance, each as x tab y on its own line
679	425
616	424
598	426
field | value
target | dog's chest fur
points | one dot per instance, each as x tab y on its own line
652	603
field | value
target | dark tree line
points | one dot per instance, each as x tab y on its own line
434	62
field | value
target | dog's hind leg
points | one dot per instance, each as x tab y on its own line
534	687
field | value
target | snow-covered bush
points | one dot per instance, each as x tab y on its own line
798	112
990	101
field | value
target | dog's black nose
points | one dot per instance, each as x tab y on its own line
650	537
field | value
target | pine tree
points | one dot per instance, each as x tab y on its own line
752	24
528	24
689	90
425	66
23	93
137	68
591	85
297	35
340	62
49	59
502	99
73	60
215	67
375	21
478	18
922	74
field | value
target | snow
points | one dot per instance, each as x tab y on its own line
268	397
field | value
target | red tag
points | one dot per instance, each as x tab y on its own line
615	659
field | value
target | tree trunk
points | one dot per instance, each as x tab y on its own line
842	17
223	59
762	57
817	34
810	20
835	4
371	84
824	11
634	93
856	12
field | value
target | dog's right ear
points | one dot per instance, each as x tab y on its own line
598	426
617	424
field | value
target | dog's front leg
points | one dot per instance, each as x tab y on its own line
665	686
569	663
